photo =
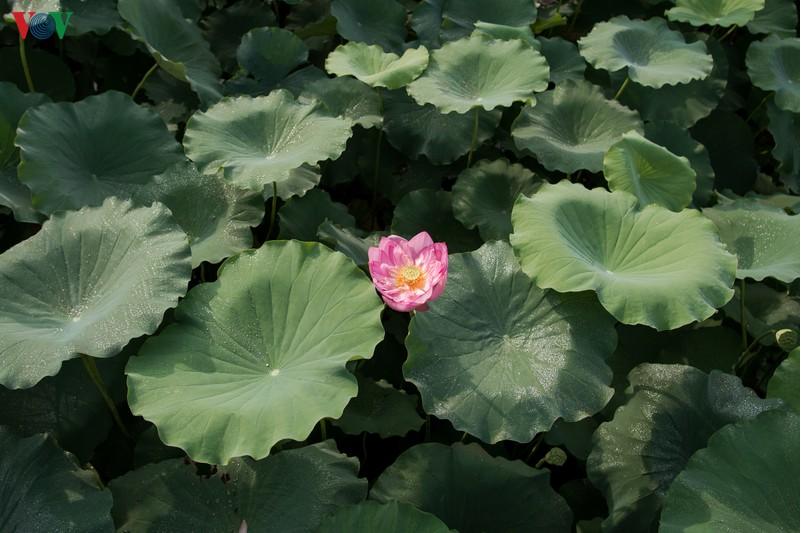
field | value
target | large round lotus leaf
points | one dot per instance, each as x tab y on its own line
480	72
416	130
715	12
380	408
679	142
77	154
290	491
14	194
778	17
259	355
671	412
648	266
773	65
269	54
45	488
438	21
520	358
483	196
374	516
784	383
471	491
653	54
650	172
260	140
431	211
379	22
87	283
685	103
765	239
176	43
371	65
216	215
746	479
571	127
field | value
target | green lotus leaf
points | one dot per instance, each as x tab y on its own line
290	491
216	215
260	140
380	408
300	218
380	22
346	98
652	173
784	383
686	103
778	17
416	130
371	65
469	490
299	181
431	211
50	74
784	127
483	196
259	355
671	412
766	309
715	12
506	33
563	58
350	241
571	127
269	54
575	436
773	65
224	28
765	239
653	54
521	358
45	488
746	479
87	283
480	72
439	21
14	194
679	142
177	44
648	266
374	516
77	154
67	406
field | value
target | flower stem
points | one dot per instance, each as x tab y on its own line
743	325
143	80
474	135
92	369
576	13
622	88
759	106
272	212
377	159
323	429
729	32
24	62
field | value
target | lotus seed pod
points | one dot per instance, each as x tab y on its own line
787	339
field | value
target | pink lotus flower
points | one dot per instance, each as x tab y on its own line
408	274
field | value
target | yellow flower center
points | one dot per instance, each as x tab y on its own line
410	276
